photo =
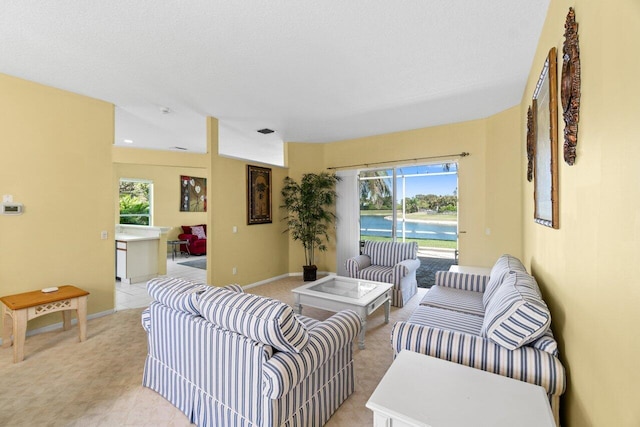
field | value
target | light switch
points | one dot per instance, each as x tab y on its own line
104	235
234	229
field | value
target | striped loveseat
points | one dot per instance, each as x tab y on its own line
498	323
389	262
227	358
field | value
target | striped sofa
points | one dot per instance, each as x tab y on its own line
388	262
227	358
498	323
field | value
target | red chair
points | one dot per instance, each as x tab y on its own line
197	239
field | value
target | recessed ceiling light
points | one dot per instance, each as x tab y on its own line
128	141
266	131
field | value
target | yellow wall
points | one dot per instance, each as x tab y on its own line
55	148
258	251
585	268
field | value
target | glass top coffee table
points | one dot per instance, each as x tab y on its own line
335	293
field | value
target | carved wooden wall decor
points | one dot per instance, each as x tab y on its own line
531	143
570	87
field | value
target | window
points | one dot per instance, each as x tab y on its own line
135	201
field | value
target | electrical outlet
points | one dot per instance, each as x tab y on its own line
234	270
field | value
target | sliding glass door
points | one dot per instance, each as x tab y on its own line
413	203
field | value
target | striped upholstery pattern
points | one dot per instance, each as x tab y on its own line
286	370
463	281
505	264
179	294
525	363
446	319
262	319
218	377
516	315
389	254
546	342
389	262
356	264
454	299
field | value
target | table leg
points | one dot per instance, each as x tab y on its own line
19	334
387	309
7	328
66	320
362	332
81	313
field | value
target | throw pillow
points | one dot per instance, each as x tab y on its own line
198	231
179	294
516	314
260	318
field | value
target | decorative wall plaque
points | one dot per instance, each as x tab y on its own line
570	87
531	143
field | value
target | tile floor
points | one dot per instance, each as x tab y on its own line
135	295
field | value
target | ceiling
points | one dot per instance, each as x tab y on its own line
314	71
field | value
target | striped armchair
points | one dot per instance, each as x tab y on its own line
226	358
389	262
497	323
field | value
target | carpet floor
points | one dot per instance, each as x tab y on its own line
200	263
63	382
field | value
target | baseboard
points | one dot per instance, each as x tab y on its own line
57	326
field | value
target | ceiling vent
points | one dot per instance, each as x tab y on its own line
266	131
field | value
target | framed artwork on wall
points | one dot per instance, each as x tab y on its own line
193	194
545	128
258	195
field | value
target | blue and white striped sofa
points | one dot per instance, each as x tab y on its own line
498	323
388	262
228	358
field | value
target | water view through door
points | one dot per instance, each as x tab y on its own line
413	203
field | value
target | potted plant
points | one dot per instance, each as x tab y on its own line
309	206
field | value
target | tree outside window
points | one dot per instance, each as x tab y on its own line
135	201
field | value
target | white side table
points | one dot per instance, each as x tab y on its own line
420	390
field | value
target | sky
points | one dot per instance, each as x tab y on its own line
436	184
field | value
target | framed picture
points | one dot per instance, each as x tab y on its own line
258	195
193	194
545	128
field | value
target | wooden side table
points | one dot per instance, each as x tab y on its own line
18	309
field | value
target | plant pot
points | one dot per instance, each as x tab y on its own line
309	272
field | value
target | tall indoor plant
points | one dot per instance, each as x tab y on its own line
309	205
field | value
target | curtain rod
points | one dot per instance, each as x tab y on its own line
463	154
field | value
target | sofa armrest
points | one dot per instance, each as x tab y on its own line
525	363
406	267
464	281
284	371
146	320
190	237
357	263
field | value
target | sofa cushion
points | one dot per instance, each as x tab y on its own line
503	266
377	273
389	254
454	299
516	314
198	231
260	318
446	319
176	293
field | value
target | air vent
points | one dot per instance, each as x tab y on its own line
266	131
179	148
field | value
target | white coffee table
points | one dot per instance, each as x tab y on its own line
335	293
